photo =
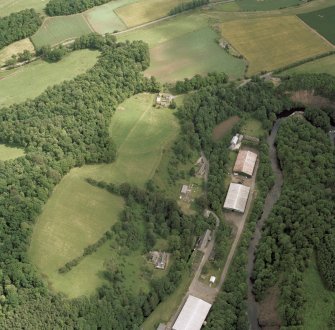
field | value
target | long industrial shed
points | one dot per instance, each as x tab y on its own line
245	162
237	197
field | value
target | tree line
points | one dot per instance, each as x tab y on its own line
18	26
187	6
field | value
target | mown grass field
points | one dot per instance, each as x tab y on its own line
322	65
29	81
252	5
323	21
56	30
253	127
271	43
103	19
319	301
145	11
15	48
77	214
7	153
189	54
11	6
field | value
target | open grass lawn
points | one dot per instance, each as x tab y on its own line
11	6
192	53
15	48
323	65
323	21
253	127
77	214
29	81
320	301
144	11
271	43
252	5
7	153
103	19
56	30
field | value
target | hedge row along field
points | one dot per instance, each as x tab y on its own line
65	7
323	21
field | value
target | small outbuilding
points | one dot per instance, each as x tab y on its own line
245	162
163	99
193	314
212	279
237	197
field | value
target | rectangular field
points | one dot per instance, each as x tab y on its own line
190	54
11	6
15	48
145	11
256	5
322	21
273	42
56	30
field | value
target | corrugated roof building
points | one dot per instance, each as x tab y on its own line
245	162
193	314
237	197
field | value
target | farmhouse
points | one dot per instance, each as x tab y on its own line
163	99
236	141
193	314
159	259
245	162
237	197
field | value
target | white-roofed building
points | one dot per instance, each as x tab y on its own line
193	314
245	162
237	197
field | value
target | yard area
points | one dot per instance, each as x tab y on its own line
273	42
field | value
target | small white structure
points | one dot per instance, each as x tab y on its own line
237	197
184	189
212	279
236	141
193	314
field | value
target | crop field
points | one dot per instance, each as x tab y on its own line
15	48
223	128
29	81
252	5
11	6
323	21
145	11
192	53
320	302
77	214
7	153
103	19
271	43
322	65
58	29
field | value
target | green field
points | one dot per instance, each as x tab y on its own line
77	214
144	11
7	153
322	65
273	42
11	6
319	301
56	30
254	128
252	5
323	21
192	53
32	79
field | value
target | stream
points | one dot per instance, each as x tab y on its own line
271	199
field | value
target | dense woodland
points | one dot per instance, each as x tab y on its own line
66	7
18	26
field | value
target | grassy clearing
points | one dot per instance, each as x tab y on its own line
223	128
323	65
29	81
77	214
270	43
253	127
56	30
103	19
322	21
11	6
15	48
192	53
145	11
252	5
7	153
320	301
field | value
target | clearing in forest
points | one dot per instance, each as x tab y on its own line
323	21
193	53
221	129
15	48
56	30
12	6
145	11
31	80
273	42
7	153
77	214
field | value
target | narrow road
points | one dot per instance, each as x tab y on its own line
271	199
